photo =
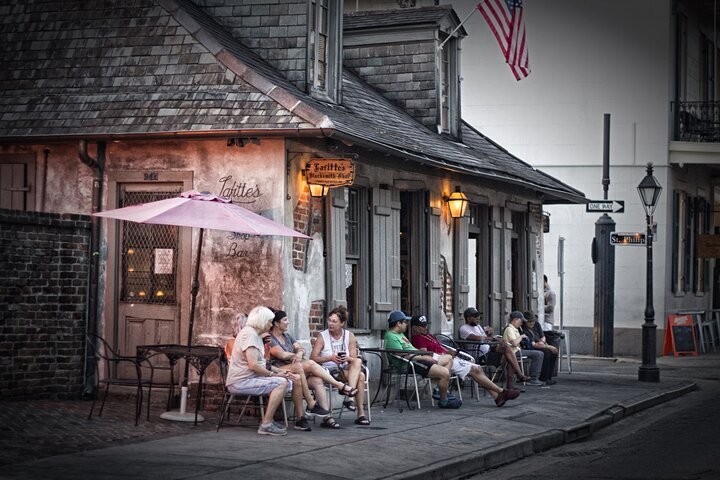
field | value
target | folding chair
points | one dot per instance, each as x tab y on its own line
252	401
330	390
405	369
451	346
106	356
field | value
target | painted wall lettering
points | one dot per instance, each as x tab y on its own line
235	252
239	192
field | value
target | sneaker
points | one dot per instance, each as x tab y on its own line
512	393
302	425
550	382
436	394
450	403
317	411
271	429
535	382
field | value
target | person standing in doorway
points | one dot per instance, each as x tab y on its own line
550	301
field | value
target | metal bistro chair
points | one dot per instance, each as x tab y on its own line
367	401
403	370
110	360
251	401
452	347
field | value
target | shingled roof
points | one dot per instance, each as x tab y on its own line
79	69
405	16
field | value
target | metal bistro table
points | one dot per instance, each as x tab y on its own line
388	370
199	356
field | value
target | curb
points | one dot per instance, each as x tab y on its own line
474	463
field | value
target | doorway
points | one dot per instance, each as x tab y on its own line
146	273
413	253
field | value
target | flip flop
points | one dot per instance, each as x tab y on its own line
350	405
330	422
348	391
362	421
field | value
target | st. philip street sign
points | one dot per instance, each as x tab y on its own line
605	206
629	239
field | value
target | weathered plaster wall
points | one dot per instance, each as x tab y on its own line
237	272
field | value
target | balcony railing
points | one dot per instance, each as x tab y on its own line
697	121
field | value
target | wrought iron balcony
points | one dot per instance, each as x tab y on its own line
697	121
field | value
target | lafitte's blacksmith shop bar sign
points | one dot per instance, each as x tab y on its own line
330	172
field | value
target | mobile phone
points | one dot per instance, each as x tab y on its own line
340	354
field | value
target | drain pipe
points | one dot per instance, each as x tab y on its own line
98	168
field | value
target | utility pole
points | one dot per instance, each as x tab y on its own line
604	260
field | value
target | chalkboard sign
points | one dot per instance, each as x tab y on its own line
680	336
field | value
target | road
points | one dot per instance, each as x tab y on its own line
675	440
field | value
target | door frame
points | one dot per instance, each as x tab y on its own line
109	309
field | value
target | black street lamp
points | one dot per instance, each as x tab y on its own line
649	190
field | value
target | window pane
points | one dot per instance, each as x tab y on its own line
149	256
352	223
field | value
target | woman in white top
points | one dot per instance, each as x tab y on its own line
288	354
247	374
336	349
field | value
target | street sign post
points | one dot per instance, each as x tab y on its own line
631	239
605	206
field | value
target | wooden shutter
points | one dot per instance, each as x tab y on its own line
434	266
17	174
335	261
461	282
385	275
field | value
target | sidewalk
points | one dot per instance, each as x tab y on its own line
54	440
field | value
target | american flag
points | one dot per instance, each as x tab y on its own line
505	18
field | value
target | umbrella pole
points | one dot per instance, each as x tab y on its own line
193	295
182	415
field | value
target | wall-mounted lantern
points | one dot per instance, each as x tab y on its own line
457	203
318	190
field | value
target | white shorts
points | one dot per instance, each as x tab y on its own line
459	367
258	385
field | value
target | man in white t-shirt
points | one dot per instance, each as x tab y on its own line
473	331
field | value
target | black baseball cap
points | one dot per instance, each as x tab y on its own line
516	314
419	321
471	312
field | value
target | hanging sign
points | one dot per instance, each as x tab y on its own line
709	246
330	172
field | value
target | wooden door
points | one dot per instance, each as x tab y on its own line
148	280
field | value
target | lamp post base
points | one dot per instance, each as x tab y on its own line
649	373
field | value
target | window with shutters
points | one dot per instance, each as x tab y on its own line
324	55
448	111
691	218
356	256
17	178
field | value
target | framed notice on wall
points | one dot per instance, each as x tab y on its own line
680	336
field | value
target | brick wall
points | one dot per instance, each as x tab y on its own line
43	295
308	219
404	73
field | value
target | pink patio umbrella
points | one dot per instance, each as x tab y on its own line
200	210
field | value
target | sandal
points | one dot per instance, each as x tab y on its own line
362	421
348	391
330	422
350	405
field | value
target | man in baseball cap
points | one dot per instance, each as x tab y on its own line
459	363
424	365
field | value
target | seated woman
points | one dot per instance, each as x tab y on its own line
288	354
336	350
247	374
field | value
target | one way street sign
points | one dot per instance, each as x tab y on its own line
599	206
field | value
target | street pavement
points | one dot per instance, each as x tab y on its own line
55	440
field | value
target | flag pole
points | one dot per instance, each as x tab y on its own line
458	27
